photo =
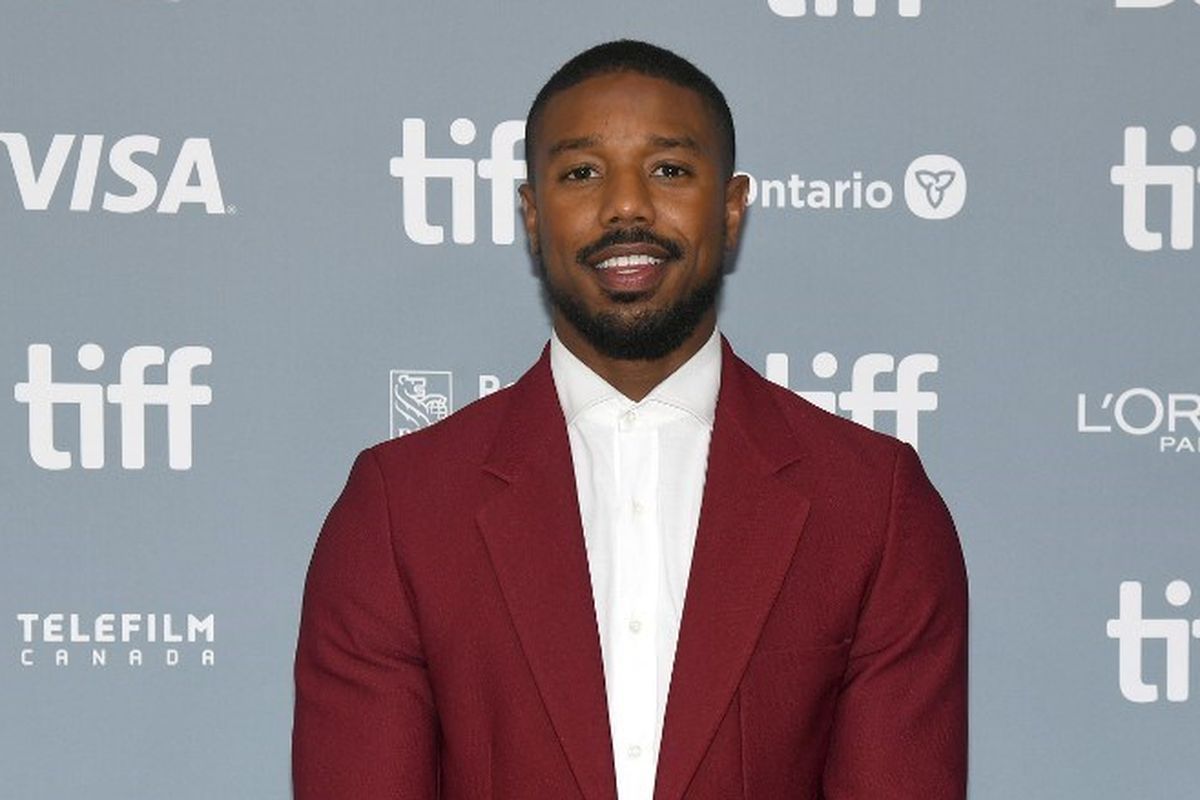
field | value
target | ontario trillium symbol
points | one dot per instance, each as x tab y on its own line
935	184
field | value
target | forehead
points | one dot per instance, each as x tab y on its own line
626	105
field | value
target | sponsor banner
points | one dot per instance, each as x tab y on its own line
1136	177
1170	420
420	398
830	8
1133	630
142	173
136	639
934	188
41	394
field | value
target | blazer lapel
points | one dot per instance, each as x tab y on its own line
750	522
534	537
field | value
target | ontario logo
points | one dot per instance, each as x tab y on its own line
935	188
829	8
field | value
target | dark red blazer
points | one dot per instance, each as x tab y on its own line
448	643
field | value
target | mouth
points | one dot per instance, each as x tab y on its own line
629	263
629	269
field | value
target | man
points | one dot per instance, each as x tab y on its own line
643	570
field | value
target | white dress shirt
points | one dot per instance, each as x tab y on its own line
639	473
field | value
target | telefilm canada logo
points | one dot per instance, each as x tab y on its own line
1170	420
132	167
934	187
830	8
420	398
1176	182
1132	630
116	639
179	394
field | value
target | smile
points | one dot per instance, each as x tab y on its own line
629	262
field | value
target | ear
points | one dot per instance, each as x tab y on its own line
737	189
529	215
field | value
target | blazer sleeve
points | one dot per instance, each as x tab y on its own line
365	725
900	728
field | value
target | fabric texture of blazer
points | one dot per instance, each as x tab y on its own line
448	643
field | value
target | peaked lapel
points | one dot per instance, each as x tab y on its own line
534	537
750	522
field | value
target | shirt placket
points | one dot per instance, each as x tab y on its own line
636	617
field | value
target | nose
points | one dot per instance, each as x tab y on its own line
627	199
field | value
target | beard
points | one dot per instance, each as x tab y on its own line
644	335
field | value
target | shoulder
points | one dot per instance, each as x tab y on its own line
831	439
460	439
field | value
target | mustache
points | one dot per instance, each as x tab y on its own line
673	249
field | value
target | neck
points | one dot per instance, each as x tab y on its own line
634	378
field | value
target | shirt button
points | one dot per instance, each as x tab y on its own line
627	419
638	508
635	625
634	751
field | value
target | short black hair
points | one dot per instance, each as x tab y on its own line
643	58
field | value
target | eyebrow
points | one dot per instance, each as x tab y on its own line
659	142
578	143
674	143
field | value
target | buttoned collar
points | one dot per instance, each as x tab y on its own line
691	388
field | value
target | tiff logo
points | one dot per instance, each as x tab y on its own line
37	186
42	393
1131	630
503	171
829	8
1135	177
1147	3
864	398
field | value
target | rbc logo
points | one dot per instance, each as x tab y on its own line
1135	177
829	8
503	170
864	398
419	399
37	187
42	393
1131	630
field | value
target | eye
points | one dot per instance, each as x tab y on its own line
671	170
581	173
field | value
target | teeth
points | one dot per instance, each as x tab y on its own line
629	261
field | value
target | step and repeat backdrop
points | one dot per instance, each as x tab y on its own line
242	241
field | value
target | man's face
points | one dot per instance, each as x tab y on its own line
629	212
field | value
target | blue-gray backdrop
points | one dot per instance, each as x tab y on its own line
241	241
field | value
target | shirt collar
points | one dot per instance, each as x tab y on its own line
692	387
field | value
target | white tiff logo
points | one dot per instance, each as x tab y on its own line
503	170
829	8
179	394
37	186
1131	630
864	398
1135	177
1147	3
